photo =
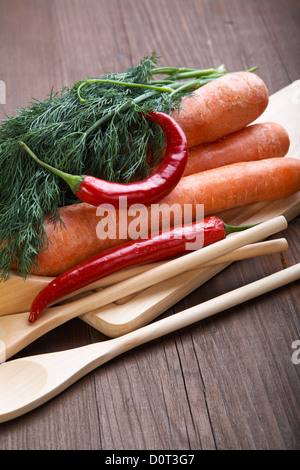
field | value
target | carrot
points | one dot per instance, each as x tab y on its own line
254	142
222	106
218	189
238	184
73	241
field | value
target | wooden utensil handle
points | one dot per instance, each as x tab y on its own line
185	263
208	308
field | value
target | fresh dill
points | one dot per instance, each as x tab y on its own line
93	128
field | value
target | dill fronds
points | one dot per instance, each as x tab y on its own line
93	128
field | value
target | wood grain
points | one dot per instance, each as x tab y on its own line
227	383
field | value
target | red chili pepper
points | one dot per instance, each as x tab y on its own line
150	190
132	253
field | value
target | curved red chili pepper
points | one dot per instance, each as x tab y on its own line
150	190
133	253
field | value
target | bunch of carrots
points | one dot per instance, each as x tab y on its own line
231	163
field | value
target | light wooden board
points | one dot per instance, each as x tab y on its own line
116	319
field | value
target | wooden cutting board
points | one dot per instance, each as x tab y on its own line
117	319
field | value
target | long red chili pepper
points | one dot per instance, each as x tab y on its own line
132	253
150	190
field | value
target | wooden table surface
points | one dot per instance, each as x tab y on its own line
225	383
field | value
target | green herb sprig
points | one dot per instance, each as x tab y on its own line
94	128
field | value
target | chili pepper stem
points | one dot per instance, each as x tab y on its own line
231	229
74	181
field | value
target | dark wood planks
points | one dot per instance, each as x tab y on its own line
227	383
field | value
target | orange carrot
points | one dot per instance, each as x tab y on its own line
238	184
218	189
72	242
254	142
222	106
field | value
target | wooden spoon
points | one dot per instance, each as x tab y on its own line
27	383
16	332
